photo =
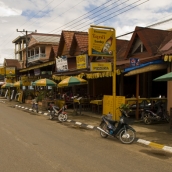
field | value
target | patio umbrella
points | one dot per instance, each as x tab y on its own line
71	81
7	85
44	82
18	84
2	83
166	77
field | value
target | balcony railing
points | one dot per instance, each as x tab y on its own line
36	57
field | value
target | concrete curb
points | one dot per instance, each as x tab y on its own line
46	114
155	145
141	141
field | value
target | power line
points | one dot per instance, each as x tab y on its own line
31	18
114	12
83	15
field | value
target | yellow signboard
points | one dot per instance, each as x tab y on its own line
10	71
100	66
25	81
101	42
2	71
81	61
108	105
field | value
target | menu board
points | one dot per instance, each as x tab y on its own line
108	105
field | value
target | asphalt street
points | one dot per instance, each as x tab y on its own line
32	142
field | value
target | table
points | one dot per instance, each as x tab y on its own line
82	102
98	103
45	104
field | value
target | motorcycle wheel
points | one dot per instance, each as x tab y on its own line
127	136
104	127
146	118
167	116
62	117
51	116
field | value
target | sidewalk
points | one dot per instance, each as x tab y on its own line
156	135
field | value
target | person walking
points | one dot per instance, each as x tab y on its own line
35	104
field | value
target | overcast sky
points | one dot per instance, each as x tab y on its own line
53	16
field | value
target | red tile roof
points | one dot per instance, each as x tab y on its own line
12	63
151	38
121	47
82	40
55	49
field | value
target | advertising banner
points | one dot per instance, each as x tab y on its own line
10	71
61	64
108	105
101	42
134	62
25	81
100	67
37	72
81	61
2	71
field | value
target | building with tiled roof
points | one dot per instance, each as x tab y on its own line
12	63
39	48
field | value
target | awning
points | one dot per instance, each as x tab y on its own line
37	66
143	65
166	77
87	75
147	69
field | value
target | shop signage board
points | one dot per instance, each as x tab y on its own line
10	71
134	62
82	61
101	42
108	105
25	81
61	63
37	72
100	67
2	71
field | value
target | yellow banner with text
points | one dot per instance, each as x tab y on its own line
101	42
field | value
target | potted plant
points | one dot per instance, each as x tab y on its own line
125	107
28	96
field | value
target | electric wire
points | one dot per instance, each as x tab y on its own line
96	8
83	15
107	15
97	15
121	13
116	12
30	19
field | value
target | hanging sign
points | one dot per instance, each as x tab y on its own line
101	42
81	61
2	71
134	62
10	71
100	67
25	81
61	64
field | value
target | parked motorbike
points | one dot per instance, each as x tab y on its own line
55	111
157	113
120	129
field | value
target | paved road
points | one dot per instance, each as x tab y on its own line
32	143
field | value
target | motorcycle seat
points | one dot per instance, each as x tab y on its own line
111	121
56	107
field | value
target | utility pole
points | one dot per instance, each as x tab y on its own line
26	33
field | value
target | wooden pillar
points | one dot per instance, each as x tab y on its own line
137	96
121	87
94	88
